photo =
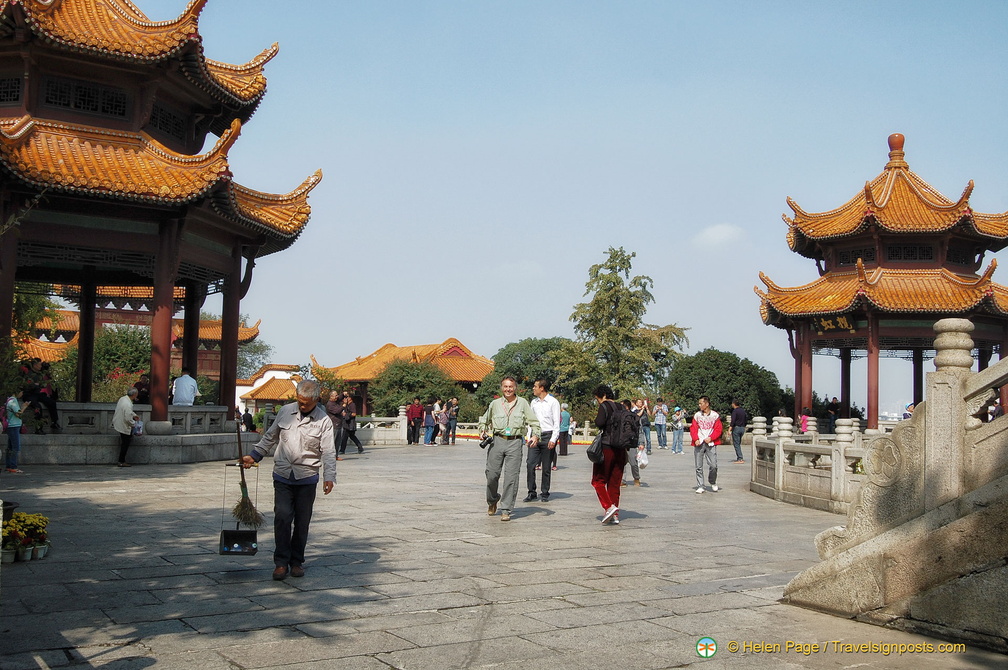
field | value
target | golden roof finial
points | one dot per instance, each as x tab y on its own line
896	152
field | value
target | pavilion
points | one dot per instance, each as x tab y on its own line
893	260
104	181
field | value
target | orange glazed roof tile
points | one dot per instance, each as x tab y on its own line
451	356
120	30
896	200
261	372
274	389
134	166
48	352
68	321
889	290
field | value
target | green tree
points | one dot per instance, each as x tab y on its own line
526	360
613	343
722	376
251	355
401	380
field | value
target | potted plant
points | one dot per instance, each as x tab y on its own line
11	541
33	539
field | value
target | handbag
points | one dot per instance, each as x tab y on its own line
594	450
138	427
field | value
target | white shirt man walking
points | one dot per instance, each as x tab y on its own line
540	454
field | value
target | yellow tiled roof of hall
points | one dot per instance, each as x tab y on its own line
67	321
120	30
923	291
274	389
134	166
897	200
453	357
47	352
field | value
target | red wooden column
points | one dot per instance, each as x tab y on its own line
845	361
794	341
873	371
8	269
806	351
165	270
86	340
229	333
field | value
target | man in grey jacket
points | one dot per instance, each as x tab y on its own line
302	437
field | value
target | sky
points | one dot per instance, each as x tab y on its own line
479	156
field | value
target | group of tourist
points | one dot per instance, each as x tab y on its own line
438	418
36	391
342	411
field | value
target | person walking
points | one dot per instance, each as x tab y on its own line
660	412
123	420
301	440
350	425
738	424
678	427
565	430
442	421
15	408
334	409
628	405
428	423
607	476
705	434
453	410
507	419
540	455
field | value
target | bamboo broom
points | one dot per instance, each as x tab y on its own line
244	511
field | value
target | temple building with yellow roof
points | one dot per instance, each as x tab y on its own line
105	183
456	360
891	261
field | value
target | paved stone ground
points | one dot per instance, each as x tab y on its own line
406	570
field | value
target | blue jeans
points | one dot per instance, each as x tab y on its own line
13	446
677	440
428	434
646	437
736	437
662	435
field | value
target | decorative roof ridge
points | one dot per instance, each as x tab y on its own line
303	189
22	127
265	56
40	15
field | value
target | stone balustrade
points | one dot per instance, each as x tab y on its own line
95	418
813	470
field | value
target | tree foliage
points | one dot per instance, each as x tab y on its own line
402	380
614	345
722	376
526	360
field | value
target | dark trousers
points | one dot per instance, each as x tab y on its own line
413	431
349	435
292	512
124	443
37	400
564	441
542	456
452	424
736	437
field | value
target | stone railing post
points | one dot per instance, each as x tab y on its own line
758	433
775	427
784	434
813	428
402	423
838	474
946	412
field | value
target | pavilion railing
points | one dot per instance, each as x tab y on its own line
95	418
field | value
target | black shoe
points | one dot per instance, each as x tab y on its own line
544	498
530	497
56	428
360	451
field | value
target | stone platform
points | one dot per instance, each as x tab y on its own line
406	570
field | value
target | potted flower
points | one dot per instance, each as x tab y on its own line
11	540
34	538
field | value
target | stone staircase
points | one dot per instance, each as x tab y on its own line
925	547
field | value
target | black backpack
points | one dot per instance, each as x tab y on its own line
623	427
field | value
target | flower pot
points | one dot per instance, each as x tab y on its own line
39	551
24	554
8	556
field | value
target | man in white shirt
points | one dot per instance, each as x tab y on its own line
184	390
547	410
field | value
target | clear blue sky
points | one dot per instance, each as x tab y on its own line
479	156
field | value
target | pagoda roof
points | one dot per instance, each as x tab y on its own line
119	30
906	291
47	352
261	372
274	389
67	324
118	295
451	356
133	166
898	201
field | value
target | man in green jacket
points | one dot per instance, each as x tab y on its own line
507	419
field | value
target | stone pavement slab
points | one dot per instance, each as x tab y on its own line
406	570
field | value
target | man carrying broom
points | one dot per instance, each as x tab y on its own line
302	436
